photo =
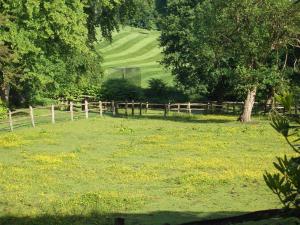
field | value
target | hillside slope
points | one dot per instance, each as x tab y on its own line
132	47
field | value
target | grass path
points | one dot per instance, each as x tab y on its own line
135	48
151	171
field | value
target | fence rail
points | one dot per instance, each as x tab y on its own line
75	110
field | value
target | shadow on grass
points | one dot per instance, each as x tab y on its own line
153	218
180	118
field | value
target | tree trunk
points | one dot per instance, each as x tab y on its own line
248	106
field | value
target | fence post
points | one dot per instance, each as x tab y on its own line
147	106
169	107
207	108
132	108
86	109
141	107
234	111
189	108
52	114
113	108
117	108
105	106
72	111
166	109
119	221
10	121
126	108
178	108
32	116
100	108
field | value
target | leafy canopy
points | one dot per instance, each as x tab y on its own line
208	41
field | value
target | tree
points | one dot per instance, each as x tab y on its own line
47	47
44	35
208	41
8	63
145	15
158	91
107	15
120	90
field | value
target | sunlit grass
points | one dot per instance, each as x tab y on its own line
205	164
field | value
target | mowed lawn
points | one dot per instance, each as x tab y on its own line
148	170
133	47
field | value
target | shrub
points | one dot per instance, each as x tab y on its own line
159	92
286	182
3	110
120	90
42	101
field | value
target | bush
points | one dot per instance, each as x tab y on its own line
120	90
3	111
42	101
159	92
286	182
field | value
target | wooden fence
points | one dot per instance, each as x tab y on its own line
52	114
76	110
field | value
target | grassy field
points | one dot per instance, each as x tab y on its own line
149	170
132	47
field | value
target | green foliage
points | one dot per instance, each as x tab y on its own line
159	92
280	123
286	182
148	14
286	99
9	64
107	15
3	110
120	90
145	15
47	47
157	88
240	42
48	37
42	101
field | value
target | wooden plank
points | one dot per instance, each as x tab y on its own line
10	121
116	108
32	116
147	106
126	108
189	108
166	109
141	107
100	108
132	108
52	114
72	111
86	109
113	109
